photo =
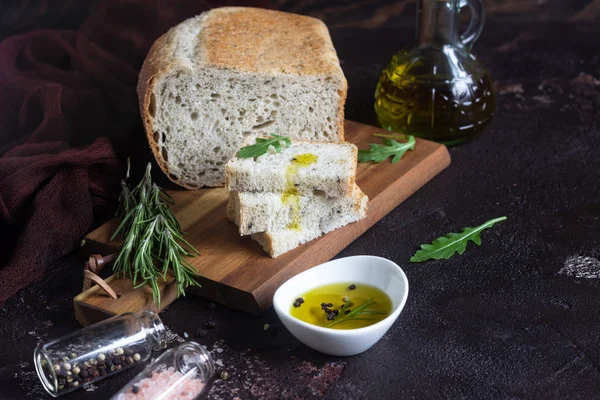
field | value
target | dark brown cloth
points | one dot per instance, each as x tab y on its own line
68	112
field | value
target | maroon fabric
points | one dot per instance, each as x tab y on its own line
68	112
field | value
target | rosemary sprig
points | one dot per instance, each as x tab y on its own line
357	314
153	242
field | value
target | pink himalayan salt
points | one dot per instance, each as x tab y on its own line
151	388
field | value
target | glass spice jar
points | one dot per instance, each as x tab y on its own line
98	351
180	373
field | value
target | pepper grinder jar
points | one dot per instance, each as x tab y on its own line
435	88
98	351
179	373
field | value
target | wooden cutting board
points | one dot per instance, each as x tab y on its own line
236	271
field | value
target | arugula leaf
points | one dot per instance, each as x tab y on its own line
390	148
262	146
445	246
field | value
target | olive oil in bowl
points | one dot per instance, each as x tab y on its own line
309	320
342	306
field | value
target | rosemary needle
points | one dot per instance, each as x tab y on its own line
153	243
357	314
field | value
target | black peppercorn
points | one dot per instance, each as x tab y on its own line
329	304
336	312
352	287
347	311
135	389
330	317
297	304
83	374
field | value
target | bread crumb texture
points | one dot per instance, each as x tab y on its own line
231	74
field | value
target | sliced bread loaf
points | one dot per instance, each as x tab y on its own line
304	168
281	241
260	212
232	73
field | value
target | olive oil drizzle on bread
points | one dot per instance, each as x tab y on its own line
290	195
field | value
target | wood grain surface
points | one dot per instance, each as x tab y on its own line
235	270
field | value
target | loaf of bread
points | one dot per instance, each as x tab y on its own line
281	241
303	168
232	73
260	212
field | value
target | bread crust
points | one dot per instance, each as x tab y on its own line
158	62
241	39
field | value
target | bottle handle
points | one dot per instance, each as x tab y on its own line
476	24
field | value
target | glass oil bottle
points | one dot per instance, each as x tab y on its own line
436	89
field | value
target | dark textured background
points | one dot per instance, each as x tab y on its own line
496	322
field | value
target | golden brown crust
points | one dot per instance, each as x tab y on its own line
343	94
243	39
355	163
259	40
157	62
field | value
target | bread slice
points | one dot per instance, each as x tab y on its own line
232	73
304	168
260	212
281	241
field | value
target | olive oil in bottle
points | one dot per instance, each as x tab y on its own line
436	89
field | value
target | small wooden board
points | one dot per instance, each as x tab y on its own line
236	271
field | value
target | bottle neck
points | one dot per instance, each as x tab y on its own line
191	356
436	22
154	328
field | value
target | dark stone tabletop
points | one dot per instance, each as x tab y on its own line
516	317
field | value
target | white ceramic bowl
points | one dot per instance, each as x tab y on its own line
375	271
